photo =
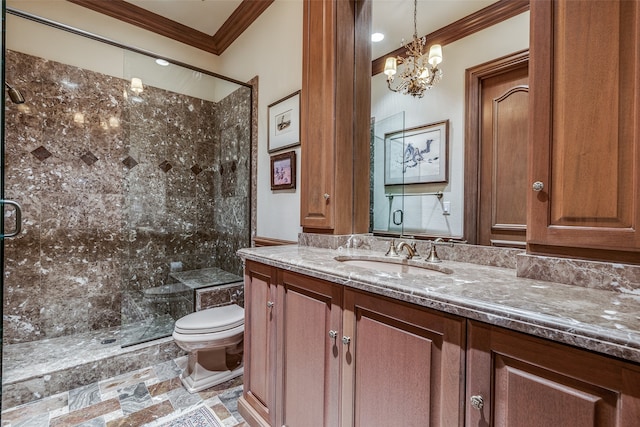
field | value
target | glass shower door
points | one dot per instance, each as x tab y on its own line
387	185
186	191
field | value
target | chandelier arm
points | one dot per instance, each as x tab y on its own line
415	19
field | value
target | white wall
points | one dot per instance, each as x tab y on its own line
446	101
272	49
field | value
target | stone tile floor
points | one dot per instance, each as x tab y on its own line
143	397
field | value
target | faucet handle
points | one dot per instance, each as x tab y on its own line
433	255
392	249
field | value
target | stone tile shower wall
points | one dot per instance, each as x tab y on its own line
113	190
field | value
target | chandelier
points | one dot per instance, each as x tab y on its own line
420	72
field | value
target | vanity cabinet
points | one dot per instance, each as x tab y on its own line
320	354
584	131
260	346
346	358
517	380
311	321
403	365
292	366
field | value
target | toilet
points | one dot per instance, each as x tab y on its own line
214	340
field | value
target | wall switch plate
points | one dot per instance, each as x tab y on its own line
446	208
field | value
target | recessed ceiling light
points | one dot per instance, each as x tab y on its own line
377	37
162	62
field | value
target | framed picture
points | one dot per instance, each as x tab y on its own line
284	123
418	155
283	171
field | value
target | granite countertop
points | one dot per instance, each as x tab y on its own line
604	321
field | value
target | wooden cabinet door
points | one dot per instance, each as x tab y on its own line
584	130
311	360
335	105
258	403
530	382
403	366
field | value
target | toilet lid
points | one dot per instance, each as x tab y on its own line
211	320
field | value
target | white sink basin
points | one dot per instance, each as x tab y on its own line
394	265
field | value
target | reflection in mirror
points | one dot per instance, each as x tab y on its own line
388	203
424	213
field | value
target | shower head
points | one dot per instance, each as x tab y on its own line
14	94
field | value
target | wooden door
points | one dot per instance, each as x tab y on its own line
496	137
402	366
585	133
529	382
311	359
502	201
258	403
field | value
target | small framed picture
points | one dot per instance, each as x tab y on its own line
283	171
418	155
284	123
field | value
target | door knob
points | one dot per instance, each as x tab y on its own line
538	186
477	402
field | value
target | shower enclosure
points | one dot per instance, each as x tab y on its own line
134	178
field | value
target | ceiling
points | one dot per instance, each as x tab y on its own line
212	25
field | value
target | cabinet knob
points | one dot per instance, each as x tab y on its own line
326	196
333	334
346	340
538	186
477	402
270	304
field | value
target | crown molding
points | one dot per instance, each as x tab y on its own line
240	19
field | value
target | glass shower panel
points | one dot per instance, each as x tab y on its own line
387	197
131	200
186	182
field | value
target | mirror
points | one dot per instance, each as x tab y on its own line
424	214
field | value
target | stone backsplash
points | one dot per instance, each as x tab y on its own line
624	278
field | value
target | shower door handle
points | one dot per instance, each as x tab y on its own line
18	209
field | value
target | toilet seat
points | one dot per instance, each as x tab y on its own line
194	341
211	320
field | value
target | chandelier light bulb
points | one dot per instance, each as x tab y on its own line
390	67
435	55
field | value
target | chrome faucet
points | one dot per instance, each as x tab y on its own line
395	251
404	245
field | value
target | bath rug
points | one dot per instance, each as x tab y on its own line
201	416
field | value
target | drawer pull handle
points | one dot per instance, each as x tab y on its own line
477	402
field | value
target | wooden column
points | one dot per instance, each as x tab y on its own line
335	106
